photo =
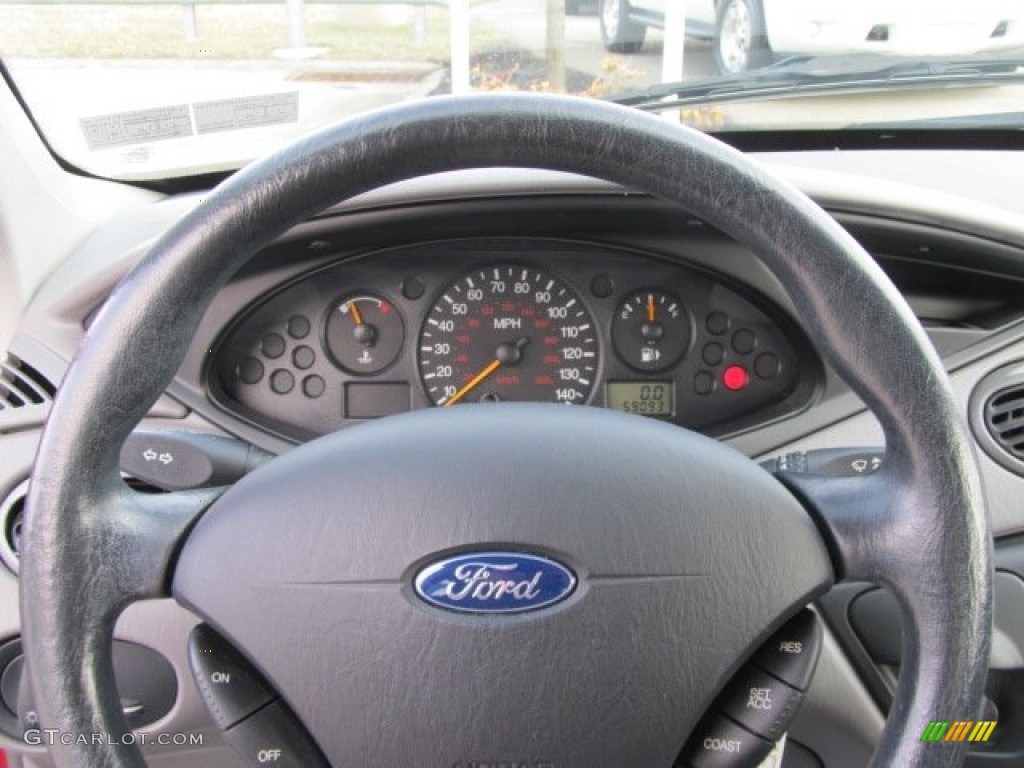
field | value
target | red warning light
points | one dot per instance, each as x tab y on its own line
735	377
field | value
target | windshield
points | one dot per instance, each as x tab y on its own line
152	89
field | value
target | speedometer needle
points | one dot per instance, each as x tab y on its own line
495	365
650	307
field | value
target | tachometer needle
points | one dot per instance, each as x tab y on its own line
356	316
650	307
495	365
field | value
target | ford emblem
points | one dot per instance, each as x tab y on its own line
495	582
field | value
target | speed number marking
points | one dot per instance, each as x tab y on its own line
508	334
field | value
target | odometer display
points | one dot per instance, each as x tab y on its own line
647	398
508	333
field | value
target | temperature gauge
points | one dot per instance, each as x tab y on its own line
651	331
364	333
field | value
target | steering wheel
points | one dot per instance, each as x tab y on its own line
687	555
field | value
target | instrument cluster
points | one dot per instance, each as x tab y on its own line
498	320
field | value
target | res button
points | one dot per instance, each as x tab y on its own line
792	653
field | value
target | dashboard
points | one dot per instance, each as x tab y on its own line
502	286
514	319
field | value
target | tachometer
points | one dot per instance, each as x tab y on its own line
508	333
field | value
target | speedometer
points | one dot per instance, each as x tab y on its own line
508	333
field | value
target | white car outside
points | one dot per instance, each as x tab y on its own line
749	33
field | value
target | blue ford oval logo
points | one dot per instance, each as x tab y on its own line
495	582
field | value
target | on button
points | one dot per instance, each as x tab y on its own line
231	688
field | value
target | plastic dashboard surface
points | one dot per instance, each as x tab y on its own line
494	319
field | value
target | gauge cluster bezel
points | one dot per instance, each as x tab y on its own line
584	267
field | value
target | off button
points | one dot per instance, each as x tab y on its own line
274	738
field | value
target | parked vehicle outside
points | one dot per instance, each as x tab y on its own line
748	34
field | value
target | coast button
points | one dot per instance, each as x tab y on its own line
725	745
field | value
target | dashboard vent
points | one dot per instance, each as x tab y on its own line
22	385
12	515
997	415
12	509
1004	417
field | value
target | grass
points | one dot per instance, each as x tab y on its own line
239	31
225	32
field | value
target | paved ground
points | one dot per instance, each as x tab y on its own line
583	47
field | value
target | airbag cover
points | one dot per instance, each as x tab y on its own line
686	555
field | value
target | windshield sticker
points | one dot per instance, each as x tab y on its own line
137	127
184	120
246	112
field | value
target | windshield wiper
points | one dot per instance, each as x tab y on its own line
829	74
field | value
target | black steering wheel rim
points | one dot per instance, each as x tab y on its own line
92	547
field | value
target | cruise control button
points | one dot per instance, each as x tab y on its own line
274	737
761	703
792	652
229	685
726	745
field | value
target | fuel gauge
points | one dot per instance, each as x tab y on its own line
650	331
364	333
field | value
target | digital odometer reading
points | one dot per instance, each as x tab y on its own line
508	333
648	398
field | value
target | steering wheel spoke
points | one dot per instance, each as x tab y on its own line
855	514
117	548
890	527
153	527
